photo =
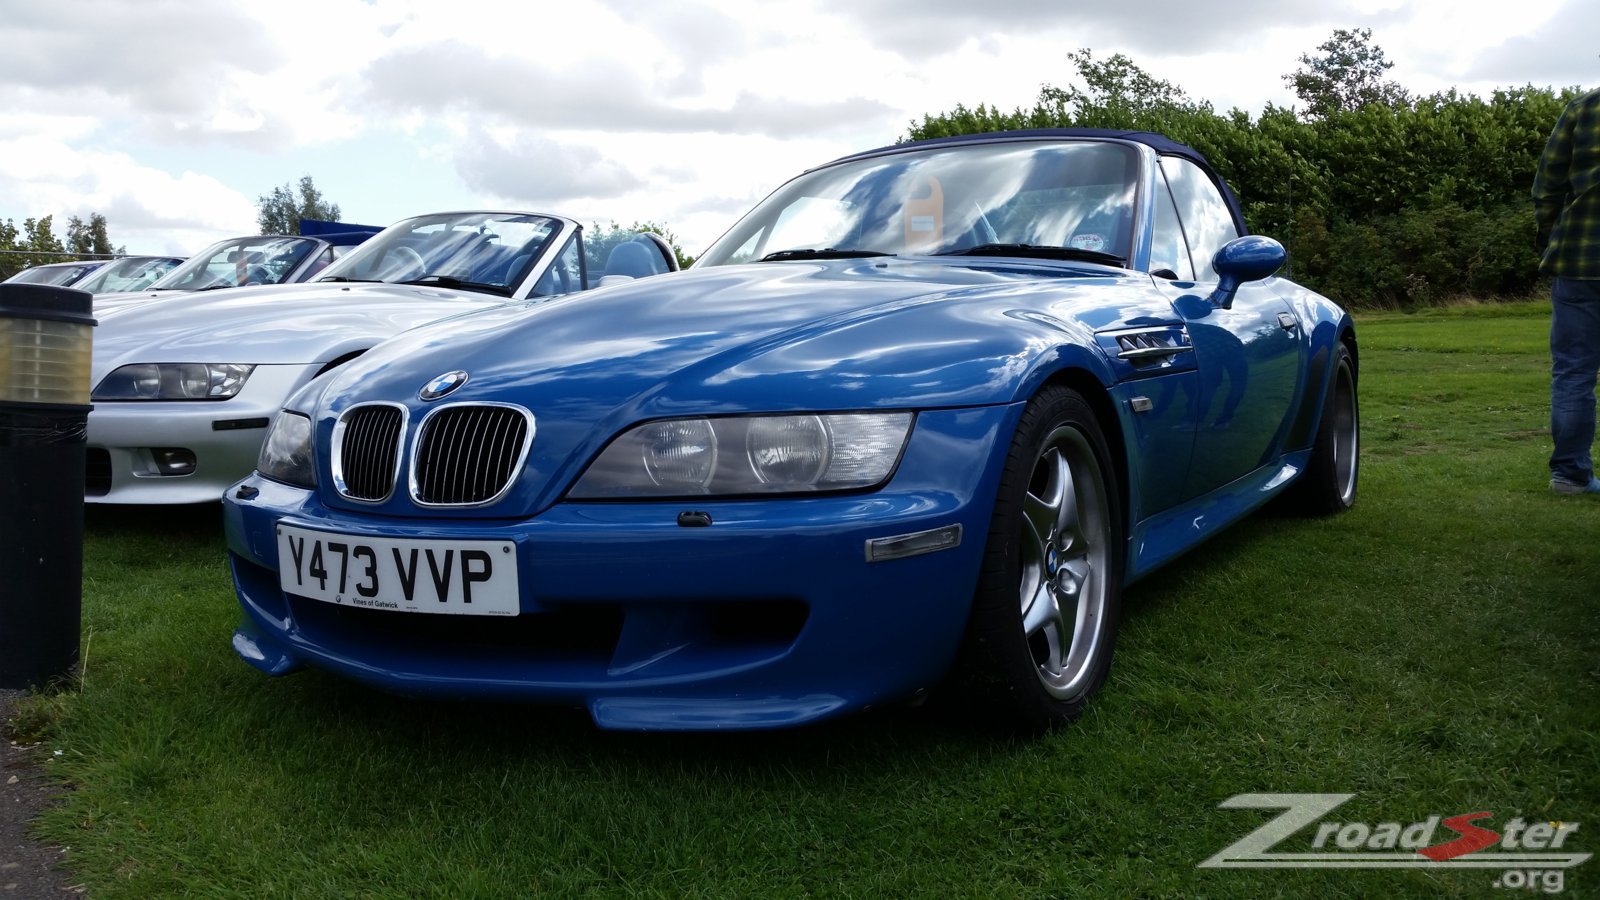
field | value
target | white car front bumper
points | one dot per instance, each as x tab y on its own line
128	441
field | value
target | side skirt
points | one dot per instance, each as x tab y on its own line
1169	534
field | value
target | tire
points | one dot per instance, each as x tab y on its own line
1329	483
1044	620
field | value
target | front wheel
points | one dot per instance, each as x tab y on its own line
1044	620
1328	485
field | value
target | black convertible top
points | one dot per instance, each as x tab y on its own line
1157	142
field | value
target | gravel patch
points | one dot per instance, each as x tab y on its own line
28	868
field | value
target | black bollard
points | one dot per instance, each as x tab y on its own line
45	348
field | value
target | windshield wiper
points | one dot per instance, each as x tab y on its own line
1039	251
450	281
361	280
823	253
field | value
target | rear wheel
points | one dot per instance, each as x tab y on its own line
1044	621
1329	483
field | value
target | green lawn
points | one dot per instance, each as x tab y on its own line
1436	651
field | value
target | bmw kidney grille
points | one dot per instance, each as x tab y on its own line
468	454
366	451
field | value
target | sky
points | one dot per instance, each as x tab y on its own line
172	117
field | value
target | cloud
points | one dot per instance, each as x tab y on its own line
728	207
691	36
146	209
161	57
267	77
920	29
683	113
537	171
1560	53
455	77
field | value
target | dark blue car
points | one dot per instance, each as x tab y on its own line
920	416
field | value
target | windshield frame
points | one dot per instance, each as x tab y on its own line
185	277
745	241
448	258
95	281
57	274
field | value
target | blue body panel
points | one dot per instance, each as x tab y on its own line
772	614
635	562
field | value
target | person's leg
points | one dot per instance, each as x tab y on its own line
1575	360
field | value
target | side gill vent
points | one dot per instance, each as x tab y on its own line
1144	348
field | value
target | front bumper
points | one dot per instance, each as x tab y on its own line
771	616
224	437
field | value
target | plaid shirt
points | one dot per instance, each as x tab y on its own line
1566	193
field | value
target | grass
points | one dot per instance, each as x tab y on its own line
1436	650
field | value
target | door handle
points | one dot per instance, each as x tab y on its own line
1287	322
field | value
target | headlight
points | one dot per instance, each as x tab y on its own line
173	381
286	453
748	455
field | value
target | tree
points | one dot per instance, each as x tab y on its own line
1118	94
1115	93
280	211
1381	198
1347	75
10	262
34	245
88	238
39	236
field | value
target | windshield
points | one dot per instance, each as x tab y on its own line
59	274
1076	197
134	273
476	250
261	259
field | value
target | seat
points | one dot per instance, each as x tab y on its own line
630	260
509	275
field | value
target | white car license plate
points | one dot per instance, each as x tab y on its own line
473	578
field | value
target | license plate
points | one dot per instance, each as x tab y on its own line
473	578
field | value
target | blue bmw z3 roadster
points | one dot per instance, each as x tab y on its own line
919	417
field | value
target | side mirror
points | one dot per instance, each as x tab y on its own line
1249	258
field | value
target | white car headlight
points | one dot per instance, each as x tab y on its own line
286	453
748	455
173	381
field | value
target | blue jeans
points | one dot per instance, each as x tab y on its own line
1575	361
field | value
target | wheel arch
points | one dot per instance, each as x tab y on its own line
1095	393
338	361
997	672
1347	337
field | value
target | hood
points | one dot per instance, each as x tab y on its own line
767	337
705	327
274	324
111	302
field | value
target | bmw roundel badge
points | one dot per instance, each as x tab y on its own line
442	384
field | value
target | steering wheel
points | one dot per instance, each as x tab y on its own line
258	275
986	232
401	263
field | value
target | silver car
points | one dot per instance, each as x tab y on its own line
241	261
130	273
186	385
